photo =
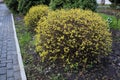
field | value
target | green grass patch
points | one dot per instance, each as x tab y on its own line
22	34
114	24
24	39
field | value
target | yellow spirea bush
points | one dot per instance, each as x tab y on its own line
74	37
34	15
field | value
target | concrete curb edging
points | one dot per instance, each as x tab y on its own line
20	62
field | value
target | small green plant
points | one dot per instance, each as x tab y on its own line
56	77
109	21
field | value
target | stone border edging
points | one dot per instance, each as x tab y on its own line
20	62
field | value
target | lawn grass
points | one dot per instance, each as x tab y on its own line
114	24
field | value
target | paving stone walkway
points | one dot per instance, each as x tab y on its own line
10	66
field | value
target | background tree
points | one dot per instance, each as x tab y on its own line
115	1
22	6
12	5
25	5
102	2
67	4
89	4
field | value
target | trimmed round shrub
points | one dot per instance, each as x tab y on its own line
34	15
74	37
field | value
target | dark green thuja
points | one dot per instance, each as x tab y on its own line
89	4
68	4
25	5
12	5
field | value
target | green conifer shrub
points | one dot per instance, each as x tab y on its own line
84	4
12	5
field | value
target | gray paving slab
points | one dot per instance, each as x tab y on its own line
11	66
3	77
11	78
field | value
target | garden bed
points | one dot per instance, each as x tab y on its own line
109	69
